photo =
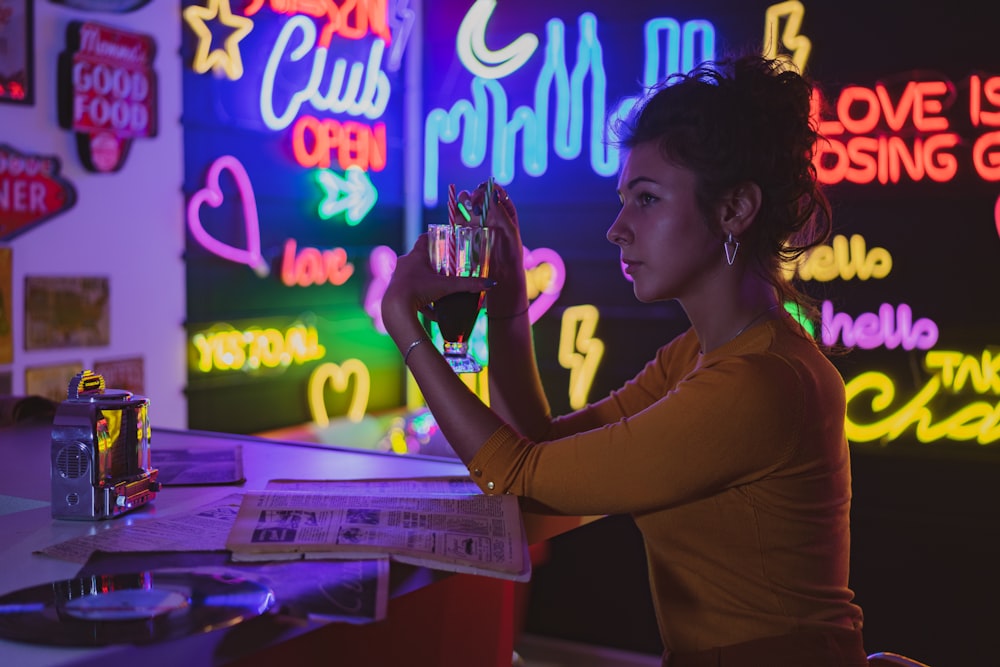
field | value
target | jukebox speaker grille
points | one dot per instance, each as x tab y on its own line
73	461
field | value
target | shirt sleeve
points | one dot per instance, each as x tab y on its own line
727	422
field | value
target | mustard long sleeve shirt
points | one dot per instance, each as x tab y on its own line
734	466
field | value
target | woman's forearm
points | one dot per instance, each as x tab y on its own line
516	391
463	418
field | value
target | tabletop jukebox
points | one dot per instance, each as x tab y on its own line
100	458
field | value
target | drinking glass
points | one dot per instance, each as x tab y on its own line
459	250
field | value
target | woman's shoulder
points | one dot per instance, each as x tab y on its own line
779	346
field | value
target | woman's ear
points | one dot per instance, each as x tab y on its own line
739	207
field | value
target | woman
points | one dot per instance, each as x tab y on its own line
728	448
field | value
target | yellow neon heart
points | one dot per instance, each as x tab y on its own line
539	278
339	376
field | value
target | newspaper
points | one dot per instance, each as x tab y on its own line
204	529
440	523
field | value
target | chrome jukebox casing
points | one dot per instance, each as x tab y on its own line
100	458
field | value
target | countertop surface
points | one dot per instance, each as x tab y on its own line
27	525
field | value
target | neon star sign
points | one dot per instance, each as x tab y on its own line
227	59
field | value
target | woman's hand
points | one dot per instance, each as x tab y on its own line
415	285
507	256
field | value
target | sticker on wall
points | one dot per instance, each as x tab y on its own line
6	304
107	92
50	381
17	79
31	191
124	374
110	6
64	312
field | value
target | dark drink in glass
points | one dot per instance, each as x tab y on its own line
456	316
458	250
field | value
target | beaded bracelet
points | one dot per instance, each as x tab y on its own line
409	349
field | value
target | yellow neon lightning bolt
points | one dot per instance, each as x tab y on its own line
798	44
579	351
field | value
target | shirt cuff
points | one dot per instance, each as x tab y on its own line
486	472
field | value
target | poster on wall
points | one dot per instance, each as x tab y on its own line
51	380
293	159
6	306
66	311
17	53
527	93
125	373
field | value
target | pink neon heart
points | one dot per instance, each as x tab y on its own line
996	215
212	195
547	296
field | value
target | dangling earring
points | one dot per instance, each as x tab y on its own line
731	246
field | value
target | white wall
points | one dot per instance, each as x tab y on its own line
127	225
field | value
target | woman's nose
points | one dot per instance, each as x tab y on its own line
617	232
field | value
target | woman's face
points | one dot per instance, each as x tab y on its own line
666	246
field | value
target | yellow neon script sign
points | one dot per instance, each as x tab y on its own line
845	260
977	420
580	351
252	349
339	378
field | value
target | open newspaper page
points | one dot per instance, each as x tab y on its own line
441	523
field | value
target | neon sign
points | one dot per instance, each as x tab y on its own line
887	158
844	259
381	264
312	266
580	351
791	37
226	60
352	20
977	420
224	348
351	194
212	195
890	327
356	144
470	45
686	45
545	275
339	377
354	97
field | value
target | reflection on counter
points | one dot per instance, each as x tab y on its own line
404	432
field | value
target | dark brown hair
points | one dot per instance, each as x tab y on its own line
744	119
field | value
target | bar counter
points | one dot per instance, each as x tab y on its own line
434	618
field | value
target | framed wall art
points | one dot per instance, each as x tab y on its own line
17	77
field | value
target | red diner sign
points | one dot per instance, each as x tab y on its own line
107	92
31	191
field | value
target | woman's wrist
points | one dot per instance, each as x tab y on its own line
506	301
497	316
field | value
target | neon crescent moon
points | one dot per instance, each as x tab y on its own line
478	58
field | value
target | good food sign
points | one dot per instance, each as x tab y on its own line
107	92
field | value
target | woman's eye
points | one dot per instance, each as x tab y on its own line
645	199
